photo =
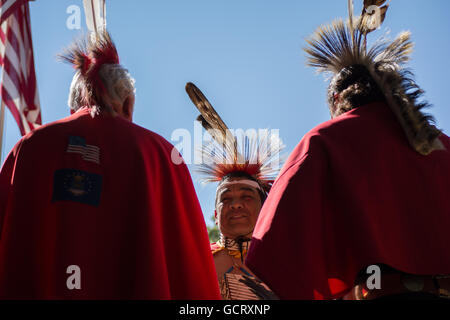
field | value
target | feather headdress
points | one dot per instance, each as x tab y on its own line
343	44
257	157
87	56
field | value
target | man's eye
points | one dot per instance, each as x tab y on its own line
225	200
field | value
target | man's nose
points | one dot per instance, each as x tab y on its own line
236	204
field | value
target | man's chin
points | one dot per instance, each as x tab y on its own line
239	232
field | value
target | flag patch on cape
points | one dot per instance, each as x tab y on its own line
78	186
78	145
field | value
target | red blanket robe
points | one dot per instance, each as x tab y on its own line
104	195
353	193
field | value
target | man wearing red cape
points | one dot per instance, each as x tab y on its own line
365	194
93	207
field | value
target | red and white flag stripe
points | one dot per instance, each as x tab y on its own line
19	88
8	6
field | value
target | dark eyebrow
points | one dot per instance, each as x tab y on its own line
222	193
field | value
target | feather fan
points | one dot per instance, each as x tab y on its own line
259	157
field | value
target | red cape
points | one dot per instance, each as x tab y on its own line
132	223
353	193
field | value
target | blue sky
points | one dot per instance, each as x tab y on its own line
244	55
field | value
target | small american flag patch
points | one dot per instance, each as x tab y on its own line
89	153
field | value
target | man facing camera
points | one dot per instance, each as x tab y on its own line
244	173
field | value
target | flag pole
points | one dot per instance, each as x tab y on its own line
2	120
2	112
2	125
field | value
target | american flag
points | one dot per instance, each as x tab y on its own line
18	89
89	153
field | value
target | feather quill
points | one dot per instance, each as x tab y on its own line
351	12
95	12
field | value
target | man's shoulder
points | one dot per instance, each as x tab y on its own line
51	129
331	126
153	141
149	134
323	139
445	139
360	121
119	126
114	133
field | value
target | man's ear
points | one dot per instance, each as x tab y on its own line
215	216
127	108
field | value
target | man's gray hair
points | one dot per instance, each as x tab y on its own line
117	80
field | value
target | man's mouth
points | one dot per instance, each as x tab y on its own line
238	216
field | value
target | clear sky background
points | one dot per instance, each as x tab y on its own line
245	55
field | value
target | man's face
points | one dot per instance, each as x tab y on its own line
237	209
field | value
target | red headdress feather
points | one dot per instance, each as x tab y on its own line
88	56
